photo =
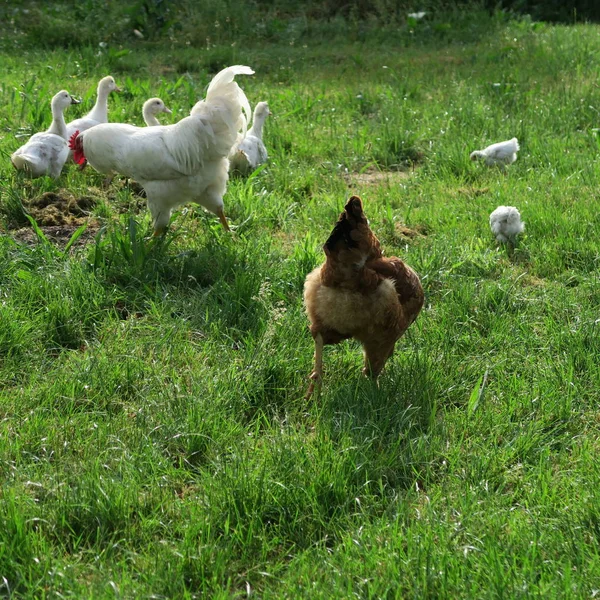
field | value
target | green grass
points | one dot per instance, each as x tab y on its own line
154	437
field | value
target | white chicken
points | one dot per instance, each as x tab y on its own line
98	114
506	224
500	155
250	152
175	164
151	108
45	153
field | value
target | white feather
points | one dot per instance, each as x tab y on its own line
506	223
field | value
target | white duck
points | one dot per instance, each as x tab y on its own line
45	153
98	114
500	155
506	224
151	108
175	164
250	152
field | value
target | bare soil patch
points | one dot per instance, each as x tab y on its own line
59	215
52	209
59	234
403	232
473	192
373	177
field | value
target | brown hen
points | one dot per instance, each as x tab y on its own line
358	293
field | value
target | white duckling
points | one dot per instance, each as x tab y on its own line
98	114
500	155
151	108
506	224
45	153
250	151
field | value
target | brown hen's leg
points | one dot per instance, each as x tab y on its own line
376	355
317	375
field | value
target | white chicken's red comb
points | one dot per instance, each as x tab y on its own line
72	140
76	144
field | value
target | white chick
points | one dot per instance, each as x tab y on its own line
500	155
506	224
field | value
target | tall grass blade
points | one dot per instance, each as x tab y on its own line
477	394
76	235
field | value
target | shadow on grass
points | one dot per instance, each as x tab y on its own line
388	420
219	281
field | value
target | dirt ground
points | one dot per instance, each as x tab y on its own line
404	232
59	215
375	177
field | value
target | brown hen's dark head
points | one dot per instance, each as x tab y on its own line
352	216
354	209
352	232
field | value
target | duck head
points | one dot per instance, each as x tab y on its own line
107	85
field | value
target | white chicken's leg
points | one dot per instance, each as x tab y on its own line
212	200
317	374
161	215
161	222
108	180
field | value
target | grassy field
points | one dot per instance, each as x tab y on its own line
154	437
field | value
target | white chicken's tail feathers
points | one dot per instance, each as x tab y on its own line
226	76
216	123
223	88
515	145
